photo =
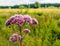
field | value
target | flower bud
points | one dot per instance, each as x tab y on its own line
15	35
34	21
14	38
26	31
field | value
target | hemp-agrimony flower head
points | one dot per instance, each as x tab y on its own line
13	38
15	35
7	22
26	31
27	18
19	19
34	21
16	19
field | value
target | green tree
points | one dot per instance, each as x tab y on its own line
37	4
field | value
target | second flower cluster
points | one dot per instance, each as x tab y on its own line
15	37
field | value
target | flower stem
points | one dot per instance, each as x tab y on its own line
20	29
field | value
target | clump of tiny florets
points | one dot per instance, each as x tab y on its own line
27	18
16	19
20	19
34	21
13	38
26	31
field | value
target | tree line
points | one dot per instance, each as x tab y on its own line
34	5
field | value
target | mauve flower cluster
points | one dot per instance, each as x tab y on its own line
16	19
26	31
34	21
15	37
27	18
20	19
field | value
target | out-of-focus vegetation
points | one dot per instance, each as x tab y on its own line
34	5
46	33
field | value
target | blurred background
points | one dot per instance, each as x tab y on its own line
29	3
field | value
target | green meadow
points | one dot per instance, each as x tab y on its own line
46	33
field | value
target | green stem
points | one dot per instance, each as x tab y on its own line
20	29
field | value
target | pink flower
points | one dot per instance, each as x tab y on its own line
16	19
19	19
26	31
10	21
7	22
27	18
15	35
34	21
20	37
13	38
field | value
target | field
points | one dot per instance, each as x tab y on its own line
46	33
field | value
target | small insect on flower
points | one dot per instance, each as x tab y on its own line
34	21
13	38
20	37
26	31
27	18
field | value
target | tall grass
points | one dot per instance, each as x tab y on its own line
46	33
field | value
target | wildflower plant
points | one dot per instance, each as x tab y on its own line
20	20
